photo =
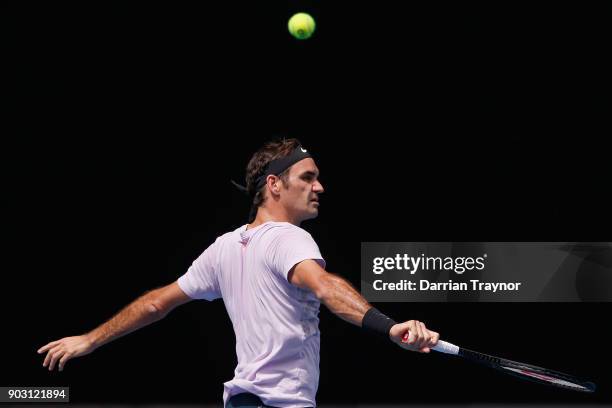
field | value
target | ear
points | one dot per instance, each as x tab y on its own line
273	183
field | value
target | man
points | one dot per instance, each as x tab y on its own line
271	277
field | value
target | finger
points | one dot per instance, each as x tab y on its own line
425	350
56	356
408	338
408	330
412	333
426	335
425	339
47	346
419	341
63	361
435	337
49	356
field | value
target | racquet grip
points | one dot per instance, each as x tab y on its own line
442	346
446	347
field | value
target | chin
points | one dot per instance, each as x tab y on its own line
311	214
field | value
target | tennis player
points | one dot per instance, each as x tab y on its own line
272	278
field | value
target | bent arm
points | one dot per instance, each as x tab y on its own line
340	297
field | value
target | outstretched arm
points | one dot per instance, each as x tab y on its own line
343	300
150	307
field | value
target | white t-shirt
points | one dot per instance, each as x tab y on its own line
276	323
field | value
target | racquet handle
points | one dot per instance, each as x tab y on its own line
446	347
441	347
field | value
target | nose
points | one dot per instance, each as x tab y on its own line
317	187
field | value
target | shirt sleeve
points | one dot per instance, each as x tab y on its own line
291	247
200	281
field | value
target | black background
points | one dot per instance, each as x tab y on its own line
437	122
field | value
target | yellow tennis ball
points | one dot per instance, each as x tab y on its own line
301	26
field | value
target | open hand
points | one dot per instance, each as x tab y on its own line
60	351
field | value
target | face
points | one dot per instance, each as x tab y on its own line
300	196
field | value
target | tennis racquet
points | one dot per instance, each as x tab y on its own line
525	371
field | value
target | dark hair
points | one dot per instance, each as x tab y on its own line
257	165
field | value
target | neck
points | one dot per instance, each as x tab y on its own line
264	215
